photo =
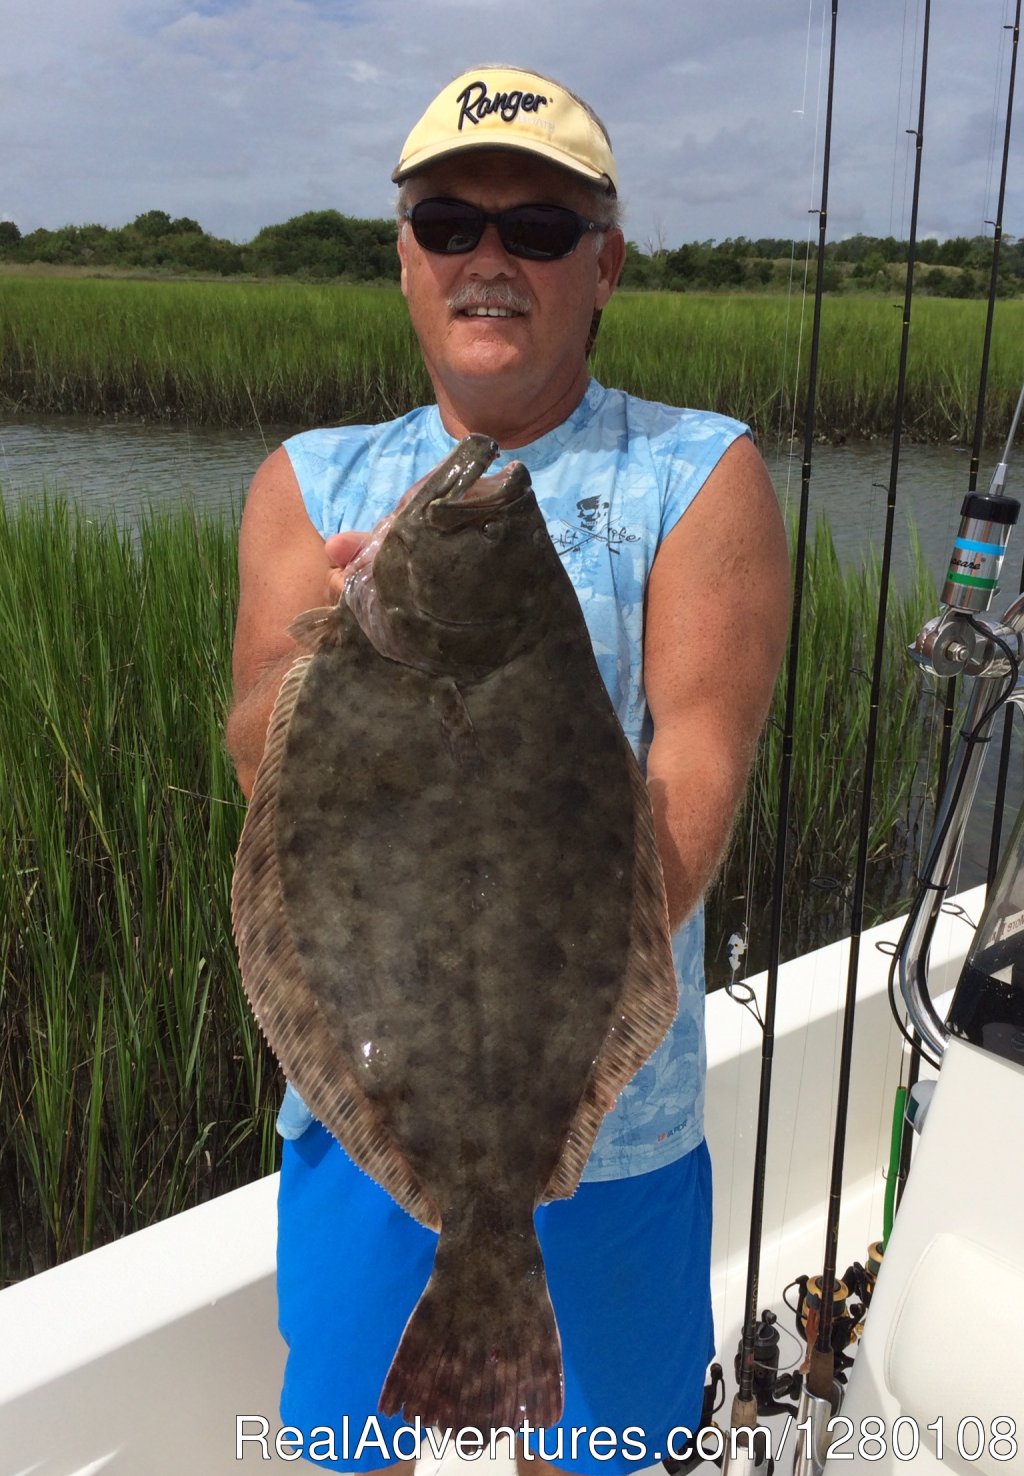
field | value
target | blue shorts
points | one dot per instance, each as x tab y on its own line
629	1270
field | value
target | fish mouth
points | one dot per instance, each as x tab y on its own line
458	489
491	493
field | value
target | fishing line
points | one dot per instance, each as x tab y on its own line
901	125
256	417
822	1370
738	991
993	131
997	224
787	478
807	61
809	233
1004	757
979	418
812	160
899	110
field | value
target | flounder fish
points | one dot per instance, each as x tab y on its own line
450	913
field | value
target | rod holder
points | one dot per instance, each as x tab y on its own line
992	667
812	1423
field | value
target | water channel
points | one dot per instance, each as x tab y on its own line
114	468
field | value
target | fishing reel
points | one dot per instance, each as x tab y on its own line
769	1387
848	1315
956	643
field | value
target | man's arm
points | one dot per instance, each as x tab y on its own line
716	623
283	570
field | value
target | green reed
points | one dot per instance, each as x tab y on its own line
833	707
240	353
233	353
746	355
133	1081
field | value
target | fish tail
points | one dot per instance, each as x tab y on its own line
481	1349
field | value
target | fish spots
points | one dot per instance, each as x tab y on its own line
568	795
418	1059
504	741
298	845
519	1159
547	956
471	1152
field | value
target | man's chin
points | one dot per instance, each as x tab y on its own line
488	358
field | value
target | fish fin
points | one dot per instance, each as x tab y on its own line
285	1007
455	1368
649	1000
314	628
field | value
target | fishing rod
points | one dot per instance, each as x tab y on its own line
998	481
821	1372
979	416
979	424
744	1406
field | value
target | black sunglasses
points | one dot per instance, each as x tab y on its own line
538	232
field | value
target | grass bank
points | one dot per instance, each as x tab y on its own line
133	1081
284	353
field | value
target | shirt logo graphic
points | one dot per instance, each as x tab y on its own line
590	512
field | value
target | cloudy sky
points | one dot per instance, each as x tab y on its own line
245	112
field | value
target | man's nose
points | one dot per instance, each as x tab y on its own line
490	259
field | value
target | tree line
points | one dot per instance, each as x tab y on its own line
324	244
958	267
319	244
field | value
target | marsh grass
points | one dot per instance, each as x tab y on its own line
208	352
287	353
833	706
133	1081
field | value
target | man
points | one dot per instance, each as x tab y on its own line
668	525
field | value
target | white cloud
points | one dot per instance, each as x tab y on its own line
244	113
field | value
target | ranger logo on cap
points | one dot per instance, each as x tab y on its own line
475	110
477	105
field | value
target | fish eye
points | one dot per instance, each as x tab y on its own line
493	531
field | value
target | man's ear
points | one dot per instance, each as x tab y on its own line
610	260
400	247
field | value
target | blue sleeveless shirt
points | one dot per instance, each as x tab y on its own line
611	481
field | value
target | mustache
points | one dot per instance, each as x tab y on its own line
492	294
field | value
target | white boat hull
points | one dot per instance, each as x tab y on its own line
141	1357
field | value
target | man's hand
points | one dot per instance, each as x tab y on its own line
341	549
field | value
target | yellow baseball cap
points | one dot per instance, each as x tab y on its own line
506	108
